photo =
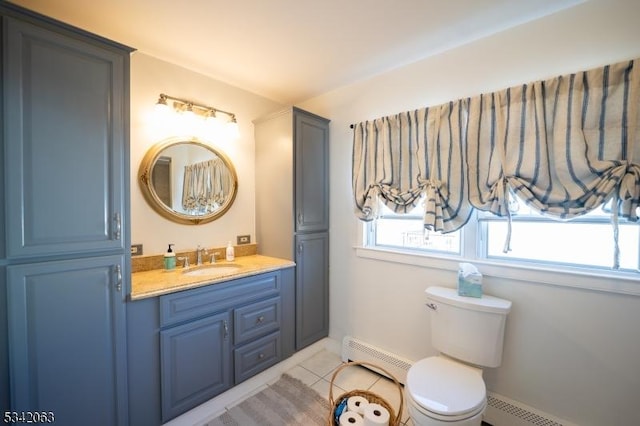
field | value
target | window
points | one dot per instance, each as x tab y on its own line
586	242
406	231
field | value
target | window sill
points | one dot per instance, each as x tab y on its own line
622	282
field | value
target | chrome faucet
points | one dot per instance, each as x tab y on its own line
199	252
186	261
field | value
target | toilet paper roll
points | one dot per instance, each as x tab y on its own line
376	415
351	418
357	404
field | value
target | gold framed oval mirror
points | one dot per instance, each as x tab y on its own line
187	181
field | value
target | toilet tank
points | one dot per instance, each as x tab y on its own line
467	328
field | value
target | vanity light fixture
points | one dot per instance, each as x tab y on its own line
162	105
193	109
211	116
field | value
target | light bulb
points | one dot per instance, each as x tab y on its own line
161	106
232	129
188	112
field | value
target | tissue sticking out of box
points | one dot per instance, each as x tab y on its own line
469	280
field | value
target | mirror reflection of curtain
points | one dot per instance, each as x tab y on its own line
206	186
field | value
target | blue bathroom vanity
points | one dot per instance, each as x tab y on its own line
189	346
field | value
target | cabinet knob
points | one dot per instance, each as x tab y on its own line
261	356
118	270
226	329
117	232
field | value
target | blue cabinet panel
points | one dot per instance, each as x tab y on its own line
312	172
288	324
254	357
195	359
65	151
67	340
256	319
4	346
143	348
312	288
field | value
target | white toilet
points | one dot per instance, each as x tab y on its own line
447	389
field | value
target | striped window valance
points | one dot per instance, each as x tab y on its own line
399	158
565	145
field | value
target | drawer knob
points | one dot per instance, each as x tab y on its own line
260	319
261	356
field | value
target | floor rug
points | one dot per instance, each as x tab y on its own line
286	402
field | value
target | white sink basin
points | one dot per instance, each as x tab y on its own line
212	271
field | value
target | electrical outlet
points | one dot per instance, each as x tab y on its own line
243	239
136	249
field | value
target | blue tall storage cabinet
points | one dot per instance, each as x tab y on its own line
292	210
65	135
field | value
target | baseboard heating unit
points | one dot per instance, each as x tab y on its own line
357	350
501	411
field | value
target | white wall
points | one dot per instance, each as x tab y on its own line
149	78
572	353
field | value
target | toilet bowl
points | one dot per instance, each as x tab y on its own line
448	389
443	392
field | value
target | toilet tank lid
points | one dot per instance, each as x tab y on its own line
485	303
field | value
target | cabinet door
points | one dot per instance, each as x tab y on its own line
67	340
312	172
195	363
5	403
64	118
312	288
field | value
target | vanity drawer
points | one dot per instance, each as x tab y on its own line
256	320
192	304
257	356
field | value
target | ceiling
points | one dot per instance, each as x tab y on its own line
292	50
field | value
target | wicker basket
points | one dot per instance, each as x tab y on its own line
394	419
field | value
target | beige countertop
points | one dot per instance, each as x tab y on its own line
159	281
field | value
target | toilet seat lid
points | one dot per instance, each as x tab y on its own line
446	387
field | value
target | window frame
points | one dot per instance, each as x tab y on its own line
471	246
372	236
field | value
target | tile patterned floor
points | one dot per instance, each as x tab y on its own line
317	371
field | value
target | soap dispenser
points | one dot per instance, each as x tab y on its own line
169	259
230	252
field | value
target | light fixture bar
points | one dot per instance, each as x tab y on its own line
181	104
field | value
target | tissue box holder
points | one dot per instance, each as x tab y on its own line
471	286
